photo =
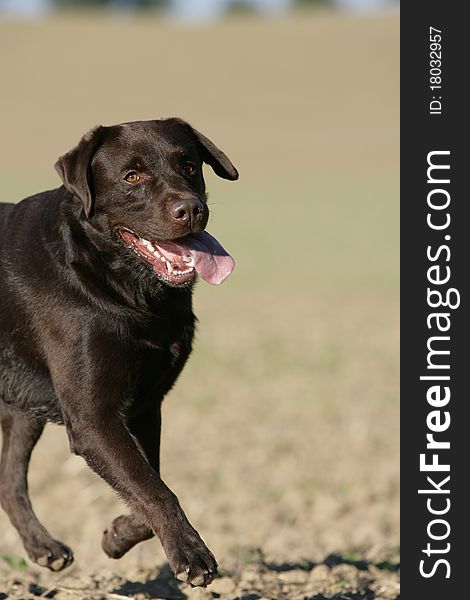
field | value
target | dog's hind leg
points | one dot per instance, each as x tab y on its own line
128	530
20	435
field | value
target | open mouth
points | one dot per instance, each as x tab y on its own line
178	261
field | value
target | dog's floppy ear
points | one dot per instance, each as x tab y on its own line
212	155
74	167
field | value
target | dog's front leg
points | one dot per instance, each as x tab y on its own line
128	530
100	436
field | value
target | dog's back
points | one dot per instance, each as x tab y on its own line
4	212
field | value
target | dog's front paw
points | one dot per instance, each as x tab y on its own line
190	559
50	554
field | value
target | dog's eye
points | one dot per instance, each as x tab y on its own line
132	177
189	169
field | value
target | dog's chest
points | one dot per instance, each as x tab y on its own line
156	360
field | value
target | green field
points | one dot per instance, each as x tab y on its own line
282	433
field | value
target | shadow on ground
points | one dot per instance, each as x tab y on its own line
337	577
252	577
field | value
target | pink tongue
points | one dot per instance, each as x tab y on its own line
211	260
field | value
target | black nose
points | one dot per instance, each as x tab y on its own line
188	210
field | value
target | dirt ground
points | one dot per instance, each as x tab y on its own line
281	437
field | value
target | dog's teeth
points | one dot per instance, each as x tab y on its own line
162	258
176	269
147	244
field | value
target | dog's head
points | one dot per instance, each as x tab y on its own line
144	180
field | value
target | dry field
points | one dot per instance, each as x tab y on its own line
281	437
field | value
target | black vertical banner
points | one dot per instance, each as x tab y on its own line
435	267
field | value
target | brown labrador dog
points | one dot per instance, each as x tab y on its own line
96	323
